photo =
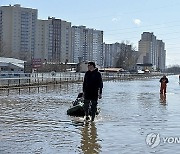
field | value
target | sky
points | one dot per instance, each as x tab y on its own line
121	20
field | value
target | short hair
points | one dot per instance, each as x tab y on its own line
92	63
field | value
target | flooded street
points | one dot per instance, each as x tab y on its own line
130	110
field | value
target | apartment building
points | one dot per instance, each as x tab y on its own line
87	45
97	55
17	31
107	55
54	40
147	49
43	40
151	51
161	55
78	37
111	54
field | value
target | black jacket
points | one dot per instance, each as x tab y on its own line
92	83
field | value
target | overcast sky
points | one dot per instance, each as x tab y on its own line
121	20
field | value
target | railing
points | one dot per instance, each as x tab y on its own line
39	79
35	79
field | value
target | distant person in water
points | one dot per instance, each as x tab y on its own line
92	89
163	81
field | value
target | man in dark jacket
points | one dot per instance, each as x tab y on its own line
92	89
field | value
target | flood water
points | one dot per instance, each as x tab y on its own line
130	110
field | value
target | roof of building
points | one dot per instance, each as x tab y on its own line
13	61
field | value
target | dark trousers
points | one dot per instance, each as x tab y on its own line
90	108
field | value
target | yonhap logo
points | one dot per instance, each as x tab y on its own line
154	139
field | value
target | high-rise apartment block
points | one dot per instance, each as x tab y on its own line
107	56
78	43
17	31
151	51
53	40
87	45
43	41
161	61
111	54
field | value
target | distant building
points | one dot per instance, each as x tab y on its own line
53	40
43	41
17	31
78	41
108	57
25	37
11	65
87	45
148	49
97	47
152	51
161	55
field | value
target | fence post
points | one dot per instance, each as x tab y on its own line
19	81
60	77
42	77
38	85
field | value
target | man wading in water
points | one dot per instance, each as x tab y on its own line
92	90
164	81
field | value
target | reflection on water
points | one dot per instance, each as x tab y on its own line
37	122
89	140
163	99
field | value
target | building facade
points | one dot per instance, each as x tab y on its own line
147	49
107	56
87	45
78	41
111	54
161	55
43	41
17	31
151	51
54	40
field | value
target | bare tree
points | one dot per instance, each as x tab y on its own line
127	57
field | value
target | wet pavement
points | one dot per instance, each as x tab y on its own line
134	118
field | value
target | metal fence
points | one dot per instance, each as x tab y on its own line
35	79
38	79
